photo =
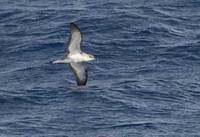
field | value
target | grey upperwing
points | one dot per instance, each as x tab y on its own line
73	45
80	71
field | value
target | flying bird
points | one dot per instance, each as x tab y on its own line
75	57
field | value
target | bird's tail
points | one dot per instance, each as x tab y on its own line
60	61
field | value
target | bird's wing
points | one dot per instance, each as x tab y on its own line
73	45
80	72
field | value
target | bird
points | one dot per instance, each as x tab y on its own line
75	57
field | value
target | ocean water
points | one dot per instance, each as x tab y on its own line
145	81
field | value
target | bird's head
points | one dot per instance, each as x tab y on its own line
88	57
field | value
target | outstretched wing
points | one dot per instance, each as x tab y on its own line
80	72
74	42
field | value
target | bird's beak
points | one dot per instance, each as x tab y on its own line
91	56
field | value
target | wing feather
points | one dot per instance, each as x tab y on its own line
80	72
74	42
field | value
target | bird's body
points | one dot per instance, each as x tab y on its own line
74	56
79	57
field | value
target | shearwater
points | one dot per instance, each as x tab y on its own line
75	57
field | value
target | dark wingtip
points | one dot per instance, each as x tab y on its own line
81	83
73	26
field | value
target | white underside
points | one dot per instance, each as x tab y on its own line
73	58
77	57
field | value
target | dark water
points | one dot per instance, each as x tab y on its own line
145	81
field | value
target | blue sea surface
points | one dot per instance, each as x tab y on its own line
145	81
